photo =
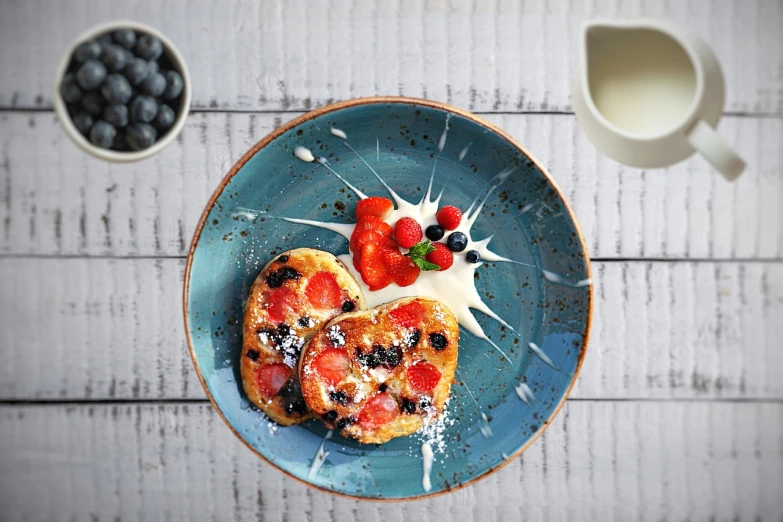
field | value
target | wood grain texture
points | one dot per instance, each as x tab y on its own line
112	329
57	200
597	462
483	55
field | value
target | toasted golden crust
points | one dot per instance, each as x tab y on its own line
382	344
279	319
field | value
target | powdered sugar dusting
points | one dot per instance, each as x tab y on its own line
433	432
335	336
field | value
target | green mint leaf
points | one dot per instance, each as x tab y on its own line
421	249
425	265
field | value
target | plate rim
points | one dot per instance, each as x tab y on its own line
373	100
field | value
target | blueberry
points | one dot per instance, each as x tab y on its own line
154	66
252	355
120	143
154	85
69	89
90	50
116	89
472	256
91	74
104	40
174	85
83	122
434	232
102	134
115	58
348	306
117	115
408	406
339	397
457	242
345	422
136	71
148	47
330	416
143	109
438	341
124	37
414	338
93	103
140	135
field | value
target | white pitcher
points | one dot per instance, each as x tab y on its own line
648	93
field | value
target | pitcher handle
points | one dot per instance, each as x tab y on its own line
714	148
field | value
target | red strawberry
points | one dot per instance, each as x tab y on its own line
272	377
333	365
403	270
407	232
449	217
441	256
378	411
423	376
370	223
408	315
373	269
374	206
323	291
281	302
374	235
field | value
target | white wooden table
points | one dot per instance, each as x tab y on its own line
678	413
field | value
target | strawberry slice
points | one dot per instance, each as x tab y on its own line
281	302
404	271
379	410
373	235
333	365
374	206
323	291
423	376
370	223
272	377
374	271
408	315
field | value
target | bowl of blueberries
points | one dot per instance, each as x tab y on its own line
122	91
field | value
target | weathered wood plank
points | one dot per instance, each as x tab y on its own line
482	55
54	199
598	461
112	329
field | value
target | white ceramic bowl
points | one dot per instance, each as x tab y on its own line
184	103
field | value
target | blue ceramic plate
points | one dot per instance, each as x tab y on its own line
497	408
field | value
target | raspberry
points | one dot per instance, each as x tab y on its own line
407	232
449	217
441	256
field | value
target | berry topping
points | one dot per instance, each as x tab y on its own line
407	232
438	341
408	406
403	269
383	387
305	322
379	410
252	355
333	365
424	376
457	241
323	292
374	206
389	358
280	276
272	377
345	422
282	259
449	217
348	306
374	271
434	232
408	315
296	406
441	256
330	416
339	397
472	256
281	302
412	339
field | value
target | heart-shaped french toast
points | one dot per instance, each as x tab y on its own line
381	373
295	294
